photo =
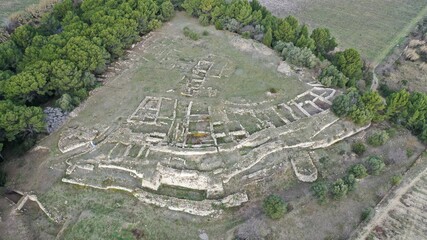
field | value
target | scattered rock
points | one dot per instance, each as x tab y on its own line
55	118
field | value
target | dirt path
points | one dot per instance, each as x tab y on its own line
389	203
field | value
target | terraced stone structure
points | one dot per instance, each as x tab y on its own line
215	127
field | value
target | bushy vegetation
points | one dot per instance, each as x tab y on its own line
252	20
375	165
302	57
191	34
332	77
362	108
402	107
358	147
2	178
367	214
358	171
320	191
274	206
396	179
59	57
339	189
378	139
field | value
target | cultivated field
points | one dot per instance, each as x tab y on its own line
402	214
10	6
373	27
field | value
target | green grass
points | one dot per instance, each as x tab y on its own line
373	27
10	6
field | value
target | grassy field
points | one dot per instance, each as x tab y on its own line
10	6
373	27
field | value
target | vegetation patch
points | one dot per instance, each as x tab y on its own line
274	206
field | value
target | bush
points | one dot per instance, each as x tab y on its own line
359	171
65	102
274	207
191	34
378	139
396	179
367	214
204	20
246	35
218	25
2	178
320	191
375	165
358	147
205	33
339	189
350	181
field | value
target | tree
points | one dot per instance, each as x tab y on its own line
344	104
323	40
86	55
358	171
297	56
374	103
20	121
333	76
24	86
339	189
65	76
375	165
349	63
274	206
23	36
10	55
167	10
284	32
396	103
268	38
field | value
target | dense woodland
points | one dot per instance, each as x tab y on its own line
57	59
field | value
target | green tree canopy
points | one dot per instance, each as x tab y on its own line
19	121
324	42
349	63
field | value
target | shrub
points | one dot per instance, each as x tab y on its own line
359	171
205	33
2	178
375	165
350	181
320	191
204	20
191	34
246	35
274	207
339	189
396	179
218	25
378	139
65	102
367	214
358	147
